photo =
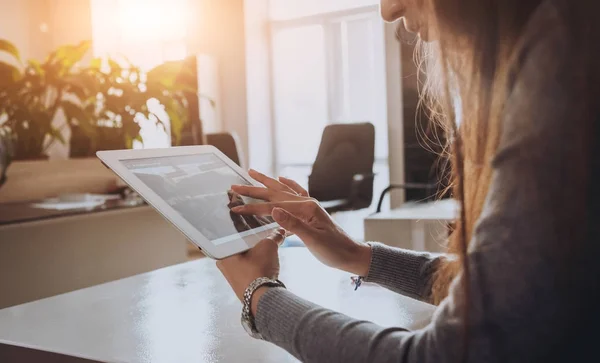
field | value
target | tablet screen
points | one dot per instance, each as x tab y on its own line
198	188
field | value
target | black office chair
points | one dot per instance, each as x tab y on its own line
227	143
342	174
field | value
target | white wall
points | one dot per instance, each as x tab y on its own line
395	84
219	32
258	65
286	9
39	26
71	21
14	24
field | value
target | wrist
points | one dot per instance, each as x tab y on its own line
256	298
361	261
252	295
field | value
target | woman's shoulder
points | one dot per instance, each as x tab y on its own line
547	80
550	67
544	41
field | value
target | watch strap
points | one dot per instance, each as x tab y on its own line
248	293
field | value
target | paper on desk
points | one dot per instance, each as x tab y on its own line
69	205
92	201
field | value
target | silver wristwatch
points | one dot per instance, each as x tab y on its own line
247	318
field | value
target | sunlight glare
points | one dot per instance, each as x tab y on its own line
153	20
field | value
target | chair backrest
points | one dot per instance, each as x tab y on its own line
227	144
346	150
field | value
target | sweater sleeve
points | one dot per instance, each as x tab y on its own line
514	305
403	271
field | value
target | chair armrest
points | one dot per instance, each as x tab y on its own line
402	186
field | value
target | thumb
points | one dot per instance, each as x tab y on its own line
292	224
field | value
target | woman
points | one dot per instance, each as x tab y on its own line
519	283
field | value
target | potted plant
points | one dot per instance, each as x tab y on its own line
102	102
121	94
32	93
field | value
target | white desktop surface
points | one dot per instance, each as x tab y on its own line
188	313
443	210
414	226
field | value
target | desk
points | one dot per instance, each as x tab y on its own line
187	313
414	226
23	212
59	254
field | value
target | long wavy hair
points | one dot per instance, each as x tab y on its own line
478	43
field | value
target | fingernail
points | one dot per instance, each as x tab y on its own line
237	209
280	214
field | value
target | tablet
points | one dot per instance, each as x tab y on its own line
190	187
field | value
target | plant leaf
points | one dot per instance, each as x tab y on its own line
36	66
56	134
65	57
177	121
80	85
10	48
96	64
115	68
84	119
166	75
9	74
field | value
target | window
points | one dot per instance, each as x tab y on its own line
328	61
300	88
147	33
291	9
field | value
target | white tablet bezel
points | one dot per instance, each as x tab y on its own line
113	160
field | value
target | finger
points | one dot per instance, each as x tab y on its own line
294	224
298	208
268	181
264	193
264	248
254	192
239	223
285	233
294	186
277	237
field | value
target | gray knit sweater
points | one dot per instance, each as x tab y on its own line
518	311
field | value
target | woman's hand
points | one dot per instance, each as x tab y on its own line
260	261
311	223
275	190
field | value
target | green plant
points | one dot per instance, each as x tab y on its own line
32	93
102	102
121	95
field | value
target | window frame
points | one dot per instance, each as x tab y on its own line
328	21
